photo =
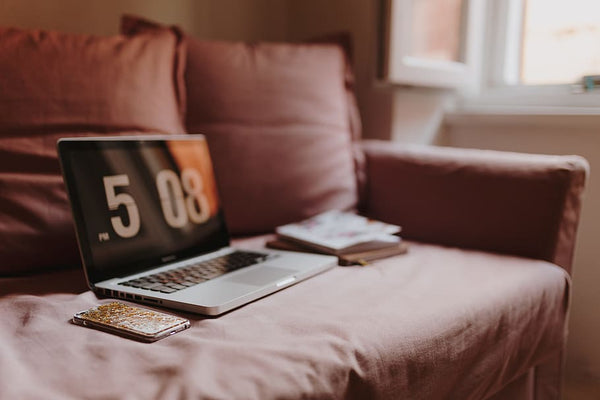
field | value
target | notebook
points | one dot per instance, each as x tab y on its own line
151	229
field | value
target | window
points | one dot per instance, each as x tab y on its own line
564	34
426	42
536	53
441	40
555	41
497	52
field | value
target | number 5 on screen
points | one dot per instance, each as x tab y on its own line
115	200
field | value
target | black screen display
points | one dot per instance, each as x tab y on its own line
138	203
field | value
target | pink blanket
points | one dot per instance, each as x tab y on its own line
434	323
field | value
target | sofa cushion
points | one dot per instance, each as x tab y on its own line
54	85
279	124
436	323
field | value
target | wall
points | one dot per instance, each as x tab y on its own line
418	113
223	19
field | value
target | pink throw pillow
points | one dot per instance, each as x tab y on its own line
55	85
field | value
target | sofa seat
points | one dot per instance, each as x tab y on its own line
461	323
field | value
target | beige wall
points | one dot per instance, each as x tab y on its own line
215	19
418	113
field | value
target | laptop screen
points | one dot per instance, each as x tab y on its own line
141	202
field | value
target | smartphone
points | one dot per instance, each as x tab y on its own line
131	321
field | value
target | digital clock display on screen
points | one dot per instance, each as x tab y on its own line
139	203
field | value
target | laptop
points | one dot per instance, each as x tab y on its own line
151	229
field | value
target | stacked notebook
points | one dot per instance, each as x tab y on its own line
353	238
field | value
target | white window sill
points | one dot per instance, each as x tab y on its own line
537	98
544	116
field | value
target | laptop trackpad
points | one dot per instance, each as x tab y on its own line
261	276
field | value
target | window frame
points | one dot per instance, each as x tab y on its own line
481	81
399	67
498	84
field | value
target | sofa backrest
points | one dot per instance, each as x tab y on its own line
280	119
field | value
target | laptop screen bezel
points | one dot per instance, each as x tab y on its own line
93	274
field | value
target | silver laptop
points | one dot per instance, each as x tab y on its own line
151	229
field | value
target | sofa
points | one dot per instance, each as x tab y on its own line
477	309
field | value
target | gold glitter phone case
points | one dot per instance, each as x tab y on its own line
131	321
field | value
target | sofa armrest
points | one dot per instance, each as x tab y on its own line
520	204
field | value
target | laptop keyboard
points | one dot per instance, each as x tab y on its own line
189	275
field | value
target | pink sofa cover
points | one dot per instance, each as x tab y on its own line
436	323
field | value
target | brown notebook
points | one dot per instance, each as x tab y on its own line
360	258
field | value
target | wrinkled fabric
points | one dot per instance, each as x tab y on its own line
434	323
